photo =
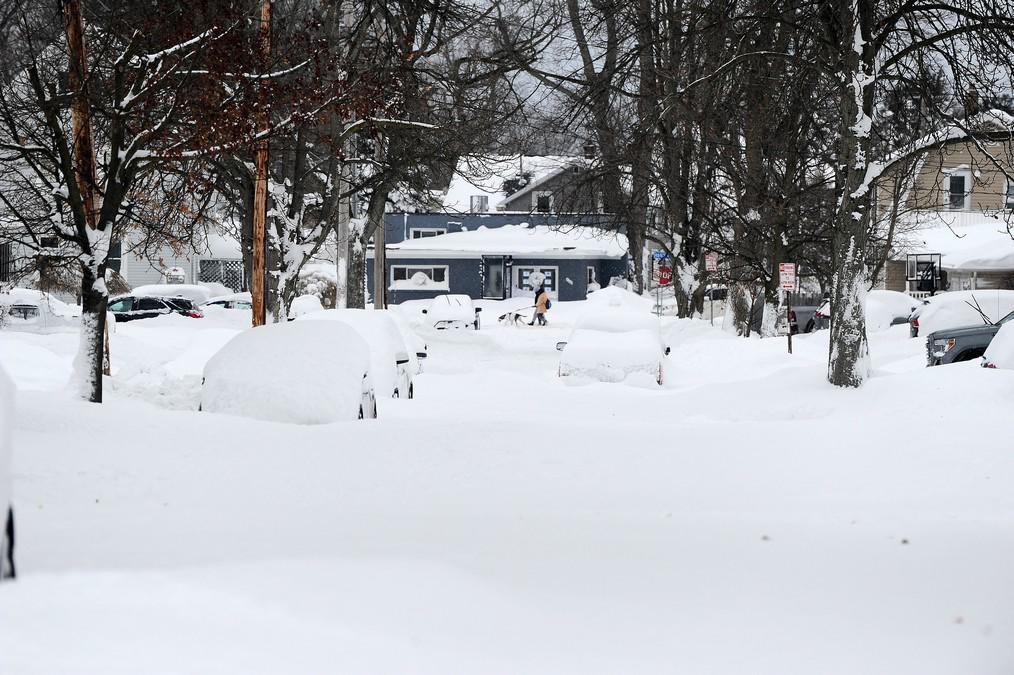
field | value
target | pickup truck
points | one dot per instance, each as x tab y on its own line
954	345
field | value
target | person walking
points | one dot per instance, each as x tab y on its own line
541	306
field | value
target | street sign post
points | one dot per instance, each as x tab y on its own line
787	281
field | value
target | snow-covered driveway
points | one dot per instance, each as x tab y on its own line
745	519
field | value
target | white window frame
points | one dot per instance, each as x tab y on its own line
1008	195
591	275
967	174
532	268
428	269
536	194
430	232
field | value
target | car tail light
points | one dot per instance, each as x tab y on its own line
987	364
915	323
792	315
195	315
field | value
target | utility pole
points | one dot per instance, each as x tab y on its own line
260	205
379	266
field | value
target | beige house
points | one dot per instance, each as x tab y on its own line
947	210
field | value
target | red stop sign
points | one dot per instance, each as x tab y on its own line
664	276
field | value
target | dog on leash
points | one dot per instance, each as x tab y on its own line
514	318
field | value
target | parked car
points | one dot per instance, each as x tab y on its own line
612	346
1000	352
307	372
807	316
958	309
452	311
195	293
134	307
7	569
392	366
416	345
233	301
955	345
25	309
883	310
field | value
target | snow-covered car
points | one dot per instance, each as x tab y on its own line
883	310
192	292
6	511
139	306
392	366
25	309
959	309
452	311
612	346
1000	353
415	344
303	372
231	301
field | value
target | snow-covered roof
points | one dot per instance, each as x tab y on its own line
484	176
971	241
540	240
983	124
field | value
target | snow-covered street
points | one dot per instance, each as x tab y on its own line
745	518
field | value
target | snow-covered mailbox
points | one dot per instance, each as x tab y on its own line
6	432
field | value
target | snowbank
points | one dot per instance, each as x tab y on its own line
305	304
957	309
196	294
614	296
303	372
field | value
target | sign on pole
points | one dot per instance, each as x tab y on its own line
659	256
664	276
711	262
787	276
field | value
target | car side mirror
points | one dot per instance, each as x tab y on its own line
420	355
400	362
478	309
667	350
426	311
560	346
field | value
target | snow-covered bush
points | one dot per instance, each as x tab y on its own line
320	280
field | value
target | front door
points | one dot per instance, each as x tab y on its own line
493	285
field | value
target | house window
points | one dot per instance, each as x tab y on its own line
523	277
591	276
479	204
49	242
436	274
958	189
542	201
1008	201
424	232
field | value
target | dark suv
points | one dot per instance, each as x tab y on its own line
954	345
131	308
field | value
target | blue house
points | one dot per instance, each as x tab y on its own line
501	222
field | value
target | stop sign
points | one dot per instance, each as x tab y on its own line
664	276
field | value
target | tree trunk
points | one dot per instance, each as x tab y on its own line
356	288
848	357
91	351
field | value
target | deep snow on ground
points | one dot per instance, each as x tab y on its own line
746	518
